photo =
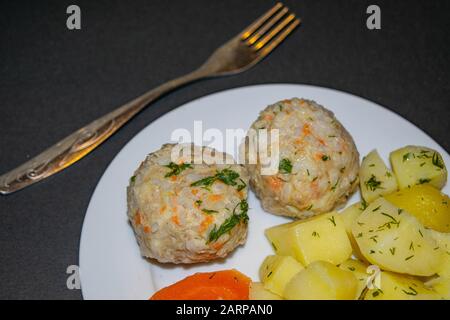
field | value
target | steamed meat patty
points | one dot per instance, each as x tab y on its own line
184	212
319	162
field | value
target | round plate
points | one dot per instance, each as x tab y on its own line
110	264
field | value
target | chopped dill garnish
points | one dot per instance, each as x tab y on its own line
373	184
413	291
407	258
176	169
207	211
315	234
231	222
198	203
335	185
226	176
423	180
437	160
285	166
332	220
407	156
364	205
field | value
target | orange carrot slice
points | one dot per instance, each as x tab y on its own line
219	285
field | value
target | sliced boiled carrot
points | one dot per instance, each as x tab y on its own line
219	285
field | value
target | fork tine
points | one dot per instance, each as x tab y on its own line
257	23
267	26
267	49
274	32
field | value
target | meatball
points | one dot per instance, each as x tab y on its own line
318	160
188	212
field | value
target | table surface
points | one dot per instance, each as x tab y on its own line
53	81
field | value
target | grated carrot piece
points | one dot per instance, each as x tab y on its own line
215	197
175	219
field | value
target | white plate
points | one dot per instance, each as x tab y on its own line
110	264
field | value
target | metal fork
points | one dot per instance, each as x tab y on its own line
237	55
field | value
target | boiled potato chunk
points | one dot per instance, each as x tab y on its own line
443	244
279	239
394	286
375	178
258	292
348	216
426	203
418	165
359	270
396	241
322	281
277	271
318	238
441	286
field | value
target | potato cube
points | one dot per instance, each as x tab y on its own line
443	244
359	270
426	203
418	165
278	238
258	292
348	216
276	271
322	281
318	238
396	241
400	287
375	179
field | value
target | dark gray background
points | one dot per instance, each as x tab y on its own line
53	81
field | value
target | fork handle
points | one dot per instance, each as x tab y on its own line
78	144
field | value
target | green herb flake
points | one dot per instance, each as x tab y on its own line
364	205
392	250
407	156
410	257
377	208
325	157
285	166
373	184
226	176
132	179
207	211
437	161
333	188
176	169
423	180
231	222
332	220
412	292
315	234
198	203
